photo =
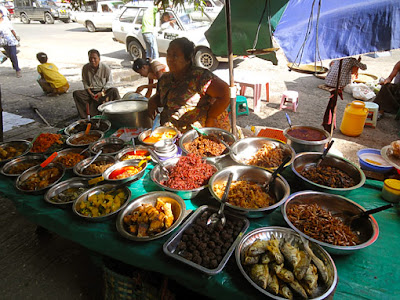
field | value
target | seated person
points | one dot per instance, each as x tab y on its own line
350	66
152	69
189	94
51	81
388	97
166	22
97	83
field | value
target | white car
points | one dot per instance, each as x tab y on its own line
127	30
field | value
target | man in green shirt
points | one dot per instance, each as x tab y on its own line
148	22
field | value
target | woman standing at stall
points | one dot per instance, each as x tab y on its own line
153	70
9	42
189	94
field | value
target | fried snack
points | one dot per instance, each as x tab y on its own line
205	146
268	156
395	148
328	176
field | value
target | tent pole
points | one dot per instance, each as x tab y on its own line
230	60
336	95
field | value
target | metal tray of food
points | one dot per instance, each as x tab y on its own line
61	187
17	148
322	291
171	245
18	165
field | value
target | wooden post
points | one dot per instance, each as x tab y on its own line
1	118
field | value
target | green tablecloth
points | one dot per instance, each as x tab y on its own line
371	273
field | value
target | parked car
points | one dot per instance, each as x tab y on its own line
127	30
96	15
9	6
44	11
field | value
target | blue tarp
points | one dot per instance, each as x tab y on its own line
346	28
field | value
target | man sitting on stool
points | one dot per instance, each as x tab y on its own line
97	81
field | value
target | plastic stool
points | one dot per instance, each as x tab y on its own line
241	102
372	115
290	100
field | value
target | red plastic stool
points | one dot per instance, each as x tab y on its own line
290	100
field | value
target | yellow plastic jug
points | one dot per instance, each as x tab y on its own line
354	117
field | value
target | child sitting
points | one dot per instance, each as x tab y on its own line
51	81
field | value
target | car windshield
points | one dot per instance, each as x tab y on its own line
46	2
191	20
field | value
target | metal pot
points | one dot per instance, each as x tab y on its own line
300	145
127	113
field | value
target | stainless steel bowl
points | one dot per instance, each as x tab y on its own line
110	146
191	135
159	130
121	164
75	182
306	159
65	152
178	209
80	125
170	246
23	144
73	137
246	148
265	233
281	188
120	154
34	158
307	146
98	189
366	229
184	194
80	166
127	113
34	170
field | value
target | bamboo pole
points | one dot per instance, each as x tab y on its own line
336	95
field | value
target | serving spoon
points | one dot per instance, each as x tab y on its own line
93	159
278	170
323	155
350	220
219	216
289	121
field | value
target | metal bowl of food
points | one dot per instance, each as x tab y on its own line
18	165
322	275
168	206
109	146
246	185
156	177
101	203
47	143
261	152
335	174
81	125
314	210
36	179
66	192
70	157
149	137
124	171
13	149
307	138
102	163
137	152
207	147
81	139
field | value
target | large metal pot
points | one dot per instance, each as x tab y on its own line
302	145
127	113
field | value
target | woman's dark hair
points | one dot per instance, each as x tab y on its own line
42	57
94	51
186	46
139	63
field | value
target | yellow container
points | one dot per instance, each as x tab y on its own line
354	117
391	190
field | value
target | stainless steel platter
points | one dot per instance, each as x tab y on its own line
18	162
61	187
80	166
265	233
22	145
80	125
74	137
127	150
120	165
158	130
170	246
109	146
65	152
178	209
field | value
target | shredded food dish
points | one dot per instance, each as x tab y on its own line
189	173
268	156
319	224
245	194
97	167
328	176
85	139
205	146
69	160
45	140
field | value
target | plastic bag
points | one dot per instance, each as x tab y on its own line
362	92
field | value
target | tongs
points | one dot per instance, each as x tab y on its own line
219	216
219	139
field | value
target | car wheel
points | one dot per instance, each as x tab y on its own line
48	18
66	20
90	26
25	19
136	50
204	58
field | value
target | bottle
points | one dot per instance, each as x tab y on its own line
354	117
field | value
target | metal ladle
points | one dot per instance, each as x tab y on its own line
323	155
93	159
349	220
278	170
219	216
164	174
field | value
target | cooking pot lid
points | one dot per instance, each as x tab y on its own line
119	107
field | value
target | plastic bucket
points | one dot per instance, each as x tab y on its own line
354	117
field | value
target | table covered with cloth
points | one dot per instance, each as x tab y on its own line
370	273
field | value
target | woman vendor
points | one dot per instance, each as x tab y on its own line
188	94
